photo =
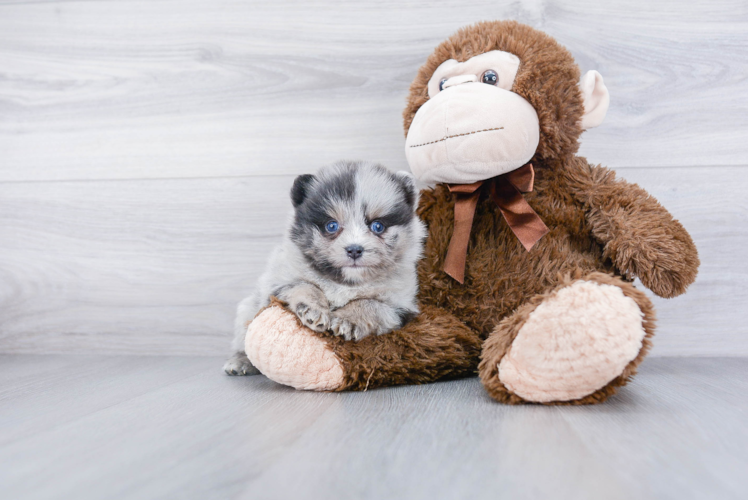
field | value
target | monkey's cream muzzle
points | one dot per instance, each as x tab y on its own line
471	132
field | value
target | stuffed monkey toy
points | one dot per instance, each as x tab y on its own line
531	250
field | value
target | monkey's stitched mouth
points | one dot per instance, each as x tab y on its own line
456	135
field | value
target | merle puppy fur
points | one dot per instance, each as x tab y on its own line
348	261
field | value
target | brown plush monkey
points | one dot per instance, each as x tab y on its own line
531	250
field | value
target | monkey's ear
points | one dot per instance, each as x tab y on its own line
596	99
408	182
300	189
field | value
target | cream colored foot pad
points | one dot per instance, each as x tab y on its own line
291	354
573	344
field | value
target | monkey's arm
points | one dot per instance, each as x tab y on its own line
641	238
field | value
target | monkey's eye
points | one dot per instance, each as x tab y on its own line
377	227
332	226
441	83
490	77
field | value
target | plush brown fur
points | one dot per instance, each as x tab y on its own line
601	229
418	353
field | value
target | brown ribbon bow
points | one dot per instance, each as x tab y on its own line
506	191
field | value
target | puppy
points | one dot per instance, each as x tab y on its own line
347	263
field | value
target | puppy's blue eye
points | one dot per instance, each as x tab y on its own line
441	83
332	226
377	227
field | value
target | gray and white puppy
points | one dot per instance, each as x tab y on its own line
347	263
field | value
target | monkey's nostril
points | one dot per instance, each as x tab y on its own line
354	251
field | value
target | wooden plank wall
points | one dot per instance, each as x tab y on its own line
146	148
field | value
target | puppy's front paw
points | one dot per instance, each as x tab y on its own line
347	329
314	318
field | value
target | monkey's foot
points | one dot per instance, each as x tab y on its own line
291	354
573	345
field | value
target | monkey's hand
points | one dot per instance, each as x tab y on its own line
639	235
664	258
360	318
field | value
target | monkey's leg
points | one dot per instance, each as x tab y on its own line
574	344
433	346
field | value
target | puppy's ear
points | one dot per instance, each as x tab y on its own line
408	183
300	189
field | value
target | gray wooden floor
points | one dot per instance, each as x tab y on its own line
84	427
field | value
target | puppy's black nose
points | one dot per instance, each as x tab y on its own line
354	251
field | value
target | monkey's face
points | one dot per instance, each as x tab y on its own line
493	97
473	126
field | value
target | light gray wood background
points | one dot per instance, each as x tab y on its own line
146	148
